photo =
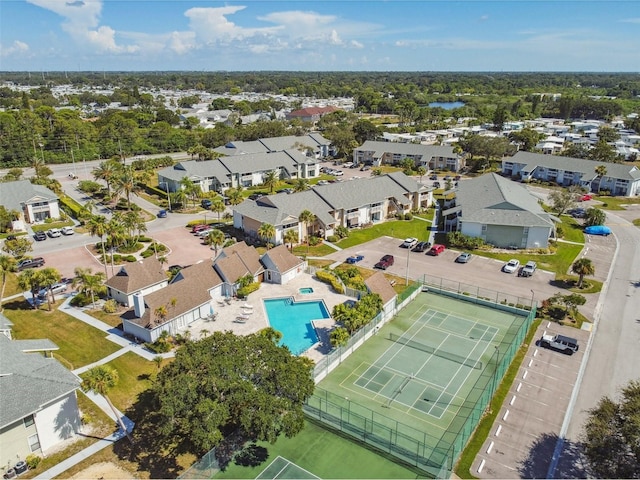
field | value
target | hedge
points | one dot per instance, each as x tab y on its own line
70	204
245	291
331	279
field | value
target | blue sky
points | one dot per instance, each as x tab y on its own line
338	35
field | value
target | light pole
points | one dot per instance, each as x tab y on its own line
167	190
406	282
495	372
532	295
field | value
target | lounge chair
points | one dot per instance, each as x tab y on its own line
247	306
221	303
241	319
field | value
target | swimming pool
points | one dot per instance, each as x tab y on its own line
305	290
293	320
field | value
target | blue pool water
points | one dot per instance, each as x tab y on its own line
305	290
293	320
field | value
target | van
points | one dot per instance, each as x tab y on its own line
561	343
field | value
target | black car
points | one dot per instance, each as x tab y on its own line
206	203
433	177
40	236
421	247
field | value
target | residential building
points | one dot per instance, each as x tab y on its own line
311	114
34	203
281	266
432	157
313	145
349	204
38	401
500	212
141	277
620	179
378	283
235	262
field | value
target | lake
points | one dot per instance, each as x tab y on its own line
446	105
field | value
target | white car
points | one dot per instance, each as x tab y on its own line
409	242
67	231
511	266
54	232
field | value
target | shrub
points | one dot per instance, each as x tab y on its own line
145	239
328	277
80	300
130	248
313	240
247	289
342	232
560	231
110	306
408	216
333	238
130	258
162	345
33	461
147	253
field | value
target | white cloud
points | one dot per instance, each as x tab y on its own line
484	18
16	48
211	25
631	20
356	44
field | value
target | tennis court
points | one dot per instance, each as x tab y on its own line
418	382
283	468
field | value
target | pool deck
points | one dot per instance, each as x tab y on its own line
228	314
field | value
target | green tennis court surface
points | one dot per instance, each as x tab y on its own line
418	382
283	468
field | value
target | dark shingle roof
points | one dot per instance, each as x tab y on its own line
135	276
282	258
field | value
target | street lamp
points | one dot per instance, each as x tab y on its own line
532	295
167	190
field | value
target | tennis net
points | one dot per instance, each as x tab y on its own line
433	351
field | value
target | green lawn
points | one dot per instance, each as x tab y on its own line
616	203
393	228
573	230
80	344
11	288
317	251
325	455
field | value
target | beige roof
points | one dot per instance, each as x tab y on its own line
190	289
282	258
378	283
135	276
238	260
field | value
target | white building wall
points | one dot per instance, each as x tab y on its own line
58	421
538	237
472	229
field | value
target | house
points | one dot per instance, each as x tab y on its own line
311	114
34	203
378	283
620	179
186	299
281	265
239	170
432	157
500	212
38	398
235	262
313	144
349	204
141	277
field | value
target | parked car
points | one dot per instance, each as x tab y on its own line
11	237
436	250
347	165
365	168
457	178
385	262
511	266
338	173
577	212
40	236
54	232
585	198
199	227
162	214
528	270
55	288
433	177
436	184
355	259
409	242
204	232
323	182
421	247
598	230
561	343
205	203
67	230
30	263
464	257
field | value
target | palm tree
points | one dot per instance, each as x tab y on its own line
125	183
133	224
89	282
7	264
49	276
179	197
97	226
601	171
107	171
100	380
30	280
307	218
270	180
291	237
267	232
235	195
421	171
217	206
216	239
300	185
583	266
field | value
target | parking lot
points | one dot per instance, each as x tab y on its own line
482	271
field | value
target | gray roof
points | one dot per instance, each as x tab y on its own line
408	183
579	165
493	200
241	148
28	381
259	162
295	203
360	192
14	194
427	151
195	169
36	345
276	144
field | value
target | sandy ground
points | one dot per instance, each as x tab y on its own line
104	471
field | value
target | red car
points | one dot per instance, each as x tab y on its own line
586	197
436	250
199	227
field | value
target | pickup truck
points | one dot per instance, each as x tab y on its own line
528	270
385	262
30	263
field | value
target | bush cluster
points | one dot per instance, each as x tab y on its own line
328	277
243	292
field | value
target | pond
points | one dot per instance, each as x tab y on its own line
446	105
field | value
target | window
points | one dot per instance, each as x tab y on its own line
28	421
34	442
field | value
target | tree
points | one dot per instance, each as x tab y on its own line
290	237
407	166
611	435
267	232
564	199
421	171
307	218
30	280
603	152
7	264
270	180
217	206
601	171
18	247
594	216
216	239
300	185
338	337
527	138
572	302
97	226
581	267
49	276
89	282
100	380
256	389
107	171
235	195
